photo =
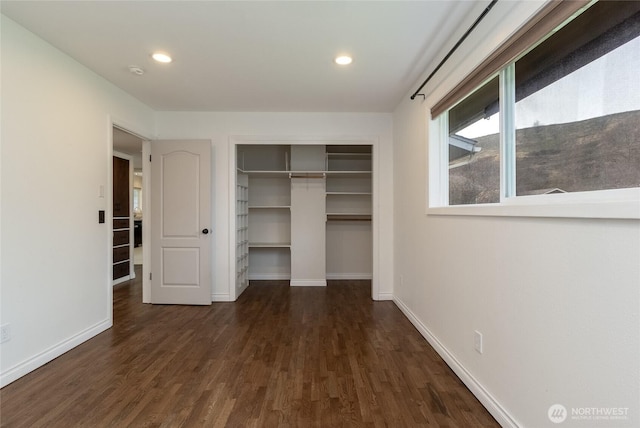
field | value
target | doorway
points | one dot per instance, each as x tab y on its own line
127	146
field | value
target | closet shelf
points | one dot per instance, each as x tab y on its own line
345	174
270	207
350	193
266	174
348	217
269	245
349	155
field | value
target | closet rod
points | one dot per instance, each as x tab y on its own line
455	47
306	175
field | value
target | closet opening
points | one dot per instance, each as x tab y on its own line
303	213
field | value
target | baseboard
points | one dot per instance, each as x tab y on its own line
121	280
269	277
52	353
349	276
308	283
385	296
476	388
241	290
219	297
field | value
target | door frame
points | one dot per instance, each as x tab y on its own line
146	228
107	195
372	141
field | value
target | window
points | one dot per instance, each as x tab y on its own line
137	201
474	147
569	111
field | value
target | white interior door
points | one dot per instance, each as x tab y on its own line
181	222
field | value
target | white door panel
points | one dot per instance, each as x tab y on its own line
181	214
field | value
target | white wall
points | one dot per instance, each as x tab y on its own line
219	127
56	131
557	300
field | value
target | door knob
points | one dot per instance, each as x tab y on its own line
205	231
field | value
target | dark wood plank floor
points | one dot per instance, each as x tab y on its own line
278	357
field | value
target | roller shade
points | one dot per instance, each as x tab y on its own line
550	16
479	105
602	28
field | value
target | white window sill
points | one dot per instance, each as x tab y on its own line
612	204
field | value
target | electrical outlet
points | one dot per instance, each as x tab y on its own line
5	333
477	341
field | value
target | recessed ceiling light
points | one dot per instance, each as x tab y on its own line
343	60
161	57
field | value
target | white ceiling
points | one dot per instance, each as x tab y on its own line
251	55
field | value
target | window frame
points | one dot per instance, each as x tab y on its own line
609	203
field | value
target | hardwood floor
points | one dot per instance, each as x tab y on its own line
278	357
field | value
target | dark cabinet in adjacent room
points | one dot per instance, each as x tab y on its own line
121	218
137	233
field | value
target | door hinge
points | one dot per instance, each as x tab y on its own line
149	158
150	276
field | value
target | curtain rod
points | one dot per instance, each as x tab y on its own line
455	47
